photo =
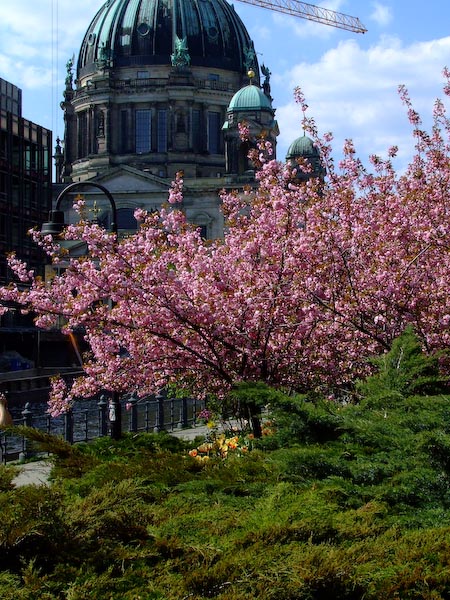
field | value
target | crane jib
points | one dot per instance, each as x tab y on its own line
311	12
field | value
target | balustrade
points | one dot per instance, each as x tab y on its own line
89	420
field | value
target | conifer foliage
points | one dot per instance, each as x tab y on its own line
404	371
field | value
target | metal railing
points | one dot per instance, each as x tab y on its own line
89	420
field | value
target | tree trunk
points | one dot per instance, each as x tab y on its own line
254	419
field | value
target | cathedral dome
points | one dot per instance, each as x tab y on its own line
145	32
248	98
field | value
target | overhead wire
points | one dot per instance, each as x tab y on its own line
54	67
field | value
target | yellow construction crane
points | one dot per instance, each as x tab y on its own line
303	10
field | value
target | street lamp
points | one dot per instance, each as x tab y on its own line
54	227
56	224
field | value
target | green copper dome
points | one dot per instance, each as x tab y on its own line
248	98
145	32
304	147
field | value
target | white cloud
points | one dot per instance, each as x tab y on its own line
381	14
52	32
352	92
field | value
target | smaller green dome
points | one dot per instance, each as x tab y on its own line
304	147
250	97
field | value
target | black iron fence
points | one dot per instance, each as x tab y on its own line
89	420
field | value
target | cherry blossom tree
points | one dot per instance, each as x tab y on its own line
310	279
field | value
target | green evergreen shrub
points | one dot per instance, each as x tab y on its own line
313	462
299	420
404	371
133	584
31	526
7	475
437	446
349	501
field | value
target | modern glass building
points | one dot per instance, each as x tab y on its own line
25	179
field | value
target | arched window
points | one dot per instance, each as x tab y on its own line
203	221
243	160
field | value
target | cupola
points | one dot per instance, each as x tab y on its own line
253	107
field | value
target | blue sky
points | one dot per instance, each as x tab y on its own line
350	80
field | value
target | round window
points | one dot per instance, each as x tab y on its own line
143	28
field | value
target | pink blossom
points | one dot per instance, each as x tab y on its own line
244	131
176	190
19	268
60	400
310	280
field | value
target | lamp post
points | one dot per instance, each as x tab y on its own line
54	226
115	416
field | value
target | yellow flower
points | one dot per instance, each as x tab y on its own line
193	452
205	447
267	431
